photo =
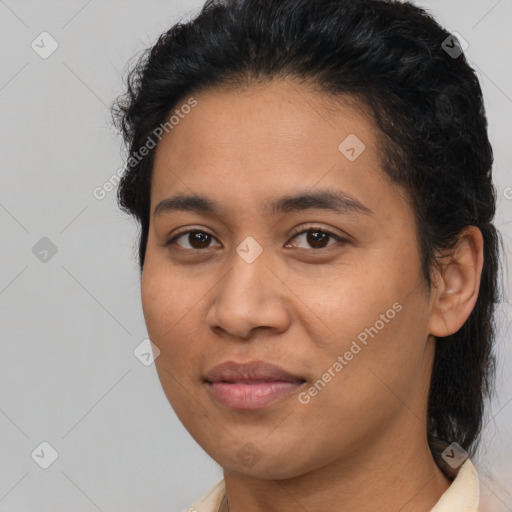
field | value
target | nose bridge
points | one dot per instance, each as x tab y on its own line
243	284
247	297
247	264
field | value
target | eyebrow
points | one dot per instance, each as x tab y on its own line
333	200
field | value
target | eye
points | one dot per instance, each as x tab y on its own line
196	239
317	237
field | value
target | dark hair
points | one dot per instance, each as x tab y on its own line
426	101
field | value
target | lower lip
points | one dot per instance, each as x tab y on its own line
251	396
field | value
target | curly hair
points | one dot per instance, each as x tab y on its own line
427	104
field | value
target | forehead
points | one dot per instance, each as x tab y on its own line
277	112
247	143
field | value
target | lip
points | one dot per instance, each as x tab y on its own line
252	385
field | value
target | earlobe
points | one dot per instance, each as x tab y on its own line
457	284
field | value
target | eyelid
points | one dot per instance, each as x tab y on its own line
188	231
317	227
339	238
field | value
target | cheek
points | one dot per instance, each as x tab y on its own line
341	306
377	320
170	328
169	322
167	308
156	304
378	360
173	307
163	288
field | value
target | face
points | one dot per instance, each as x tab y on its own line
328	288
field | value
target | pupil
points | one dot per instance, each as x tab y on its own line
316	238
199	238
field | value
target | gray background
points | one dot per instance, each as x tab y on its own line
70	324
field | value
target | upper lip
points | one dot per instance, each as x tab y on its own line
253	371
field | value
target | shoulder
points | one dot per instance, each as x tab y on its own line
210	502
463	495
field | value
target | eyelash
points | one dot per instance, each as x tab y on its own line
309	229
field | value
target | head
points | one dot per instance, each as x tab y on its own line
350	120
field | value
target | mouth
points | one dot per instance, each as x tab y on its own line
250	386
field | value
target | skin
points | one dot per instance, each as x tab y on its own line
361	442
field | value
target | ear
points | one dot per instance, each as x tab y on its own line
457	284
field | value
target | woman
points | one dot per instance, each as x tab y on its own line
318	259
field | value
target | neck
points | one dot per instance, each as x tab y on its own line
401	477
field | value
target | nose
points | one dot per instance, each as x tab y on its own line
249	299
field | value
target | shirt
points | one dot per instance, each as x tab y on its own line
463	495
